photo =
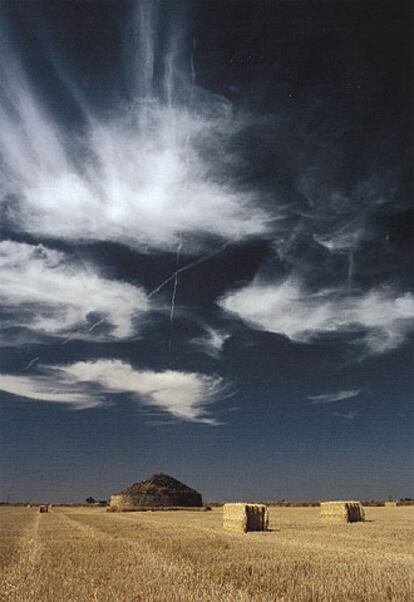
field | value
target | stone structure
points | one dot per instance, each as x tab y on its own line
160	490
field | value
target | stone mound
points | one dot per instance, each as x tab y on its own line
158	490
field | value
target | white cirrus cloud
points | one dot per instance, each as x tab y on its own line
380	318
52	387
332	397
53	295
346	238
149	175
184	395
212	342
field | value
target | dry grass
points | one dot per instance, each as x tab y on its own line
88	555
13	527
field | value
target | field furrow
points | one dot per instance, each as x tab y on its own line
13	526
21	576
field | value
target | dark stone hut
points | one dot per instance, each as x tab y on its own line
160	490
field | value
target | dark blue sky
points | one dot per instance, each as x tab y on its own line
206	248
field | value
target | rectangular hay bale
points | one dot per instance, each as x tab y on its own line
342	512
245	517
391	504
115	503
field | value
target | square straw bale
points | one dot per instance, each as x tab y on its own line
342	512
245	517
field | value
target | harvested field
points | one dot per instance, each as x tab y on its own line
89	555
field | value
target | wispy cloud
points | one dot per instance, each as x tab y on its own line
184	395
332	397
51	386
351	415
380	318
158	170
212	342
148	175
56	296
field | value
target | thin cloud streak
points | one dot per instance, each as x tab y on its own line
32	362
334	397
184	268
351	415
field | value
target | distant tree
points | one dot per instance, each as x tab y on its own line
90	500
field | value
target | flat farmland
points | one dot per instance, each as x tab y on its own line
89	555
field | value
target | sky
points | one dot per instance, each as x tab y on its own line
205	249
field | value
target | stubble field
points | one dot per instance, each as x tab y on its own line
89	555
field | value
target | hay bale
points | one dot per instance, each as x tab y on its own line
342	512
43	508
245	517
391	504
117	502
